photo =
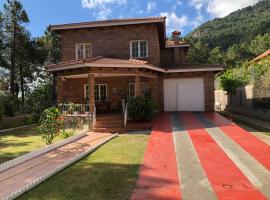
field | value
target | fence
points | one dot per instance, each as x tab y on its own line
241	102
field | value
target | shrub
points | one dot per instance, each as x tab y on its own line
9	103
50	124
1	110
66	134
142	108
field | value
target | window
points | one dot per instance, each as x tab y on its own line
83	51
131	91
100	92
139	49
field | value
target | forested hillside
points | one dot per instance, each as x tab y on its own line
238	27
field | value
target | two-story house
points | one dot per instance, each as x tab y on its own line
104	62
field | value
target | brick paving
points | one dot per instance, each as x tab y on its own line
18	177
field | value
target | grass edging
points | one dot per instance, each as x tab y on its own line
56	170
42	150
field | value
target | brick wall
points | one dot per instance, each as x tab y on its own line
173	55
112	41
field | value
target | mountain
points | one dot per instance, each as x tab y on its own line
239	27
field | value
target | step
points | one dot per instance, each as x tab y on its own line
110	121
109	130
118	125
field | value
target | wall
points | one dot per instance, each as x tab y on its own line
241	102
112	41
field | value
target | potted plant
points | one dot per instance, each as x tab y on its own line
76	109
64	108
70	108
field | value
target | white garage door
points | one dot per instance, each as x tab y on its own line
186	94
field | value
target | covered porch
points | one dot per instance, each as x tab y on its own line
106	90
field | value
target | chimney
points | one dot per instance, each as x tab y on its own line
176	36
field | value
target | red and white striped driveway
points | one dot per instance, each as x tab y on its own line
203	156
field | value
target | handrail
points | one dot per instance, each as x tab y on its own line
126	115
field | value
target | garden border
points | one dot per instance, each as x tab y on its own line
29	186
11	163
16	128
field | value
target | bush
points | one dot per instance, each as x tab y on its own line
50	124
1	110
9	104
142	108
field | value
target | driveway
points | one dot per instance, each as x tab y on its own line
203	156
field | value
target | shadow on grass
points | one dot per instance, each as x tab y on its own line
84	181
23	132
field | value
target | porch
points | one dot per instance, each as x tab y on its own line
102	92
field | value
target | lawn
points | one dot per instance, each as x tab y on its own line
18	142
108	173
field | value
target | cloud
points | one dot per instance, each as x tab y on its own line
100	7
97	3
175	22
151	5
221	8
197	4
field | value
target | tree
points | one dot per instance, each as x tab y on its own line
14	18
216	56
260	44
198	53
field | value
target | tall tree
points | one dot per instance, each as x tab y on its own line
14	18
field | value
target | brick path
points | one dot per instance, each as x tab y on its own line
215	159
23	176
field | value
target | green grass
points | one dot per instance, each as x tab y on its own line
108	173
18	142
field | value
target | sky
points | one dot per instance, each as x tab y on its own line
182	15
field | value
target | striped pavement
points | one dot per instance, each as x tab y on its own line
215	159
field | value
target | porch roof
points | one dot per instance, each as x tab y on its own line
101	61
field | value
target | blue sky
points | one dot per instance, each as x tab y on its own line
183	15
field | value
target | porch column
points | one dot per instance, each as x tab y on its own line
91	82
137	86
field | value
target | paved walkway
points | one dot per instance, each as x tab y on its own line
251	120
21	177
214	158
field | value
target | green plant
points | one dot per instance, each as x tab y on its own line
51	123
229	82
142	108
66	134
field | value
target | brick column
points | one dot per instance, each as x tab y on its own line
137	86
91	82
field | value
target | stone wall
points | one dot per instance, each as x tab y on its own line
241	102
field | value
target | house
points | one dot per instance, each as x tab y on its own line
107	62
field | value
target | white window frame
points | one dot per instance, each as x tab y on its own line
129	97
99	86
139	48
84	55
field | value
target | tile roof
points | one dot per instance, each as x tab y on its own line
99	60
263	55
108	23
171	43
174	66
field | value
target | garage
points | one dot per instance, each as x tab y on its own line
184	94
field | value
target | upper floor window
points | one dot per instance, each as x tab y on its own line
83	51
139	49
